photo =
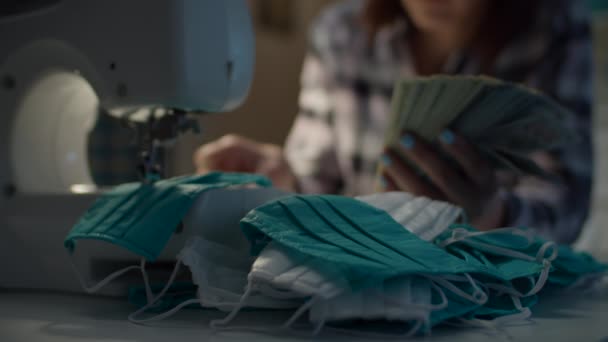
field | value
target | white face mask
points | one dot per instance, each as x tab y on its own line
221	276
422	216
407	299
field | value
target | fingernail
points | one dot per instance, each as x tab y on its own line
386	160
447	137
408	141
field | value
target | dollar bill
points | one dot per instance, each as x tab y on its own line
506	122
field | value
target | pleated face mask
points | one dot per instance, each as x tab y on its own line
142	217
344	231
217	253
327	246
420	215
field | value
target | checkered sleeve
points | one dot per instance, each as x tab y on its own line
558	211
311	147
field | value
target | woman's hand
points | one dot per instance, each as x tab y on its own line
233	153
471	184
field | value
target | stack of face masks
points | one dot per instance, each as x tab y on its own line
142	218
352	261
390	257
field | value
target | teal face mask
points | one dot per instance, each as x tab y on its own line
361	245
514	251
365	246
366	242
527	262
571	267
142	217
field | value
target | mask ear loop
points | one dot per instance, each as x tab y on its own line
461	234
494	249
112	276
132	317
546	261
226	320
300	311
149	294
478	297
522	315
544	274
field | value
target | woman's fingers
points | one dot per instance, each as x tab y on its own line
467	181
229	153
471	162
401	177
445	176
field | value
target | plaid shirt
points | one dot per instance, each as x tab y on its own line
347	83
113	156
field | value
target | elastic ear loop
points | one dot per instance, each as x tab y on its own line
461	234
216	324
522	315
153	301
112	276
542	278
478	297
495	249
226	320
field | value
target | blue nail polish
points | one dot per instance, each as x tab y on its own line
447	137
408	141
386	160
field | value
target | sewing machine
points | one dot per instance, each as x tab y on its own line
152	63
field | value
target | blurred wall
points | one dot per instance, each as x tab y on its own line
281	36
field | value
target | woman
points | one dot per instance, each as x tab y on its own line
360	48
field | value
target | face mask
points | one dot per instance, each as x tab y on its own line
221	276
407	299
525	261
573	268
422	216
332	244
217	254
349	233
512	250
142	217
283	274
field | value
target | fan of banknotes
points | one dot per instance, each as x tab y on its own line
505	121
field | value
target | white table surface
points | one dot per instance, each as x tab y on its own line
41	316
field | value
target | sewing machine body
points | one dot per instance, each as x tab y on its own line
61	62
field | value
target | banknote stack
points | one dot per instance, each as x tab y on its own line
506	122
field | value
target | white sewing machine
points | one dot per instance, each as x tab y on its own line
60	61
